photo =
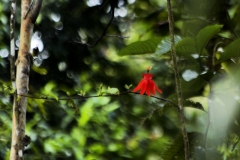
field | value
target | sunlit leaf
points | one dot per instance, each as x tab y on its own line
39	70
165	45
205	34
40	104
140	47
48	90
111	107
97	148
112	91
191	104
231	51
114	147
100	101
86	112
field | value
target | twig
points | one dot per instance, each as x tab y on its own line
149	115
12	44
30	7
36	9
94	96
177	80
112	2
123	37
102	6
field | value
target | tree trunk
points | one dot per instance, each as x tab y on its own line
23	62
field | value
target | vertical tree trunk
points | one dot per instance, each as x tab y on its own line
177	80
23	62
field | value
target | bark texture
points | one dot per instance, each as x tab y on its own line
23	62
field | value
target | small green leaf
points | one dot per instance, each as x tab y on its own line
231	51
112	91
128	86
39	70
140	47
205	34
49	89
86	113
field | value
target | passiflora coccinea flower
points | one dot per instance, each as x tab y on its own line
147	85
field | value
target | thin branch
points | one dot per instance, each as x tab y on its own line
29	9
177	80
12	44
149	115
123	37
94	96
35	11
104	3
105	29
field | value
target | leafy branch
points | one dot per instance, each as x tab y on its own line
81	96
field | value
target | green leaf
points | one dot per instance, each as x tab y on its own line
165	45
192	104
193	85
111	107
112	91
231	51
186	46
140	47
49	90
128	86
205	34
39	70
186	94
86	113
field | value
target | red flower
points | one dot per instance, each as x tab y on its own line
147	85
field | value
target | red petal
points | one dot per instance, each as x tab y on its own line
147	85
144	87
139	86
148	90
152	87
159	90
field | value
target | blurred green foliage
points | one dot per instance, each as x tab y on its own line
128	126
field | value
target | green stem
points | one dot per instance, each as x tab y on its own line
177	80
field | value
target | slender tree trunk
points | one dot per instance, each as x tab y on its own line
23	62
177	80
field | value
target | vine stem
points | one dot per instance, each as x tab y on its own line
177	80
